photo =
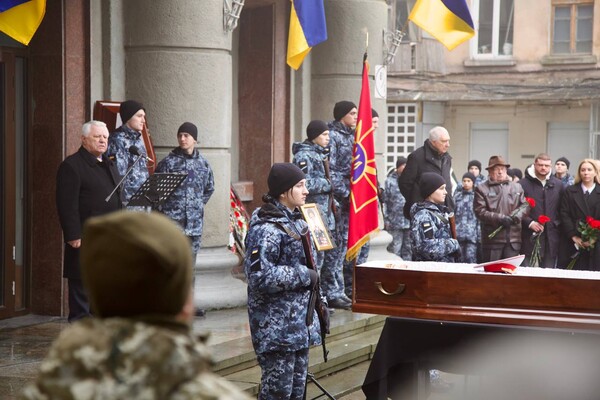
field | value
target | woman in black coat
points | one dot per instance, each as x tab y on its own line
575	207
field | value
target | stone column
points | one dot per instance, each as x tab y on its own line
178	63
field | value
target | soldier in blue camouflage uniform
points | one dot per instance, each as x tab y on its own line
341	133
129	134
468	230
430	228
395	222
137	269
186	205
561	171
279	285
312	157
474	167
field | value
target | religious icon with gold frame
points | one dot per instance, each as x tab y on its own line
319	232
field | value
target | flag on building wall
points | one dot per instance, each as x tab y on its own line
449	21
307	29
20	19
364	217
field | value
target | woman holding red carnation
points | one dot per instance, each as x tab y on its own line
581	202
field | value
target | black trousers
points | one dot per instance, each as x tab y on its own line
79	306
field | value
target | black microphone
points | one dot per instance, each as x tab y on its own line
136	152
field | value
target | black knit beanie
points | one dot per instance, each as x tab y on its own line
474	163
564	159
400	161
315	128
128	109
282	177
430	182
470	176
189	128
342	108
374	113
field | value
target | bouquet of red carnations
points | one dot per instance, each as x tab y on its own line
590	230
536	258
528	203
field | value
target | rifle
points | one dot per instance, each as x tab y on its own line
314	301
452	221
328	176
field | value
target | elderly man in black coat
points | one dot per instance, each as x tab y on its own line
431	157
546	190
84	181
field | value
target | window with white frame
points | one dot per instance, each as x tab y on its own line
494	27
401	132
572	26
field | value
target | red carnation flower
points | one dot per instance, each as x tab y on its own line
542	219
531	201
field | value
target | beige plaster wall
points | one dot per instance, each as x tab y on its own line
527	128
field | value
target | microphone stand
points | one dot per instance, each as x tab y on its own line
123	178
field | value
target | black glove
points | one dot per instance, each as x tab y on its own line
314	278
506	221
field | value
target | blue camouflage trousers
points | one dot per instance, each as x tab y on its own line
400	244
195	241
468	252
283	374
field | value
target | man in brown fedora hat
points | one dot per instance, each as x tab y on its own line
498	203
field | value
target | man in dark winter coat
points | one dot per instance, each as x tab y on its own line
431	157
84	181
546	190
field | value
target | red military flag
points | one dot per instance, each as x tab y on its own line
364	217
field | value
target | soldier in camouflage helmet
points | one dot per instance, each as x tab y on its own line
279	285
133	115
311	156
430	226
137	268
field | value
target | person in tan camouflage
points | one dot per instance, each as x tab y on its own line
137	269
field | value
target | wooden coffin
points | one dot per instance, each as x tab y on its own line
464	292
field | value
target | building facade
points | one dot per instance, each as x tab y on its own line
528	82
181	62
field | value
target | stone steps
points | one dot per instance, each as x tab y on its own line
352	342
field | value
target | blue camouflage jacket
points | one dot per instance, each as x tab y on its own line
341	142
309	157
119	143
430	233
566	180
394	203
278	282
186	205
467	225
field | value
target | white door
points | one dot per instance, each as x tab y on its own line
570	140
488	139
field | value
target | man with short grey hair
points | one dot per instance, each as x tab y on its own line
84	181
431	157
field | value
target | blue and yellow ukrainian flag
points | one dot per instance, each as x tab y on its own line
19	19
449	21
307	29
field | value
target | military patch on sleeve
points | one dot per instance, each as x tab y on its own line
303	166
255	261
427	230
